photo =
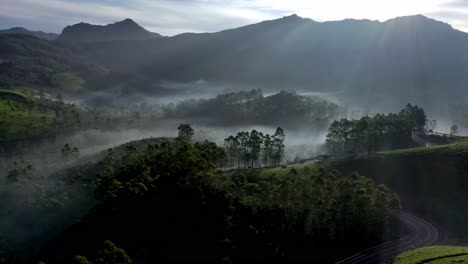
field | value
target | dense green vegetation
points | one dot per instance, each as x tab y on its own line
250	150
110	253
168	202
39	63
434	255
26	117
430	181
370	134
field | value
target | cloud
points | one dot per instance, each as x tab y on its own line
171	17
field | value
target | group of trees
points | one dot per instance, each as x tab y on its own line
376	133
330	207
249	150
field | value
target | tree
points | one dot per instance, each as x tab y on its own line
81	260
27	182
255	143
278	141
453	130
69	153
109	254
185	132
59	98
41	94
432	126
112	254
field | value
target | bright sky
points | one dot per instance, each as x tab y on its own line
170	17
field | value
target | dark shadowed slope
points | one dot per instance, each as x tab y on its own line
23	31
422	234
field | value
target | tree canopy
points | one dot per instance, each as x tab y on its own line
370	134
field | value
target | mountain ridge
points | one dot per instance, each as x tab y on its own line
406	59
126	29
24	31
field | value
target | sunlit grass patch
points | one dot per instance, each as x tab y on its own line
434	254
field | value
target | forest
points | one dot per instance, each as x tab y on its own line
198	212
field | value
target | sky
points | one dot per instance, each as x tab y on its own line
171	17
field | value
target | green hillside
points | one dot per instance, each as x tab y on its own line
431	182
434	255
23	117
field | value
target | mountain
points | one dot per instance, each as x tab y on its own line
123	30
38	34
406	58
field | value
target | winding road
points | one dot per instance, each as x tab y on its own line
422	234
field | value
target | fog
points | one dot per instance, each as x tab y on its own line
38	217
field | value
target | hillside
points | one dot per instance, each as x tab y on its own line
431	182
24	31
25	117
286	109
434	255
123	30
38	63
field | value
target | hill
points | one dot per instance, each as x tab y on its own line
431	182
286	109
38	63
123	30
23	31
24	117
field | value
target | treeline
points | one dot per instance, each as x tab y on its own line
371	134
254	149
253	108
169	203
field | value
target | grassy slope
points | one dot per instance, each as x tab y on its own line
432	182
22	122
434	255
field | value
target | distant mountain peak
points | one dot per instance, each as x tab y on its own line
294	17
126	29
24	31
127	20
19	29
419	20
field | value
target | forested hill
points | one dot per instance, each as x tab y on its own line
285	108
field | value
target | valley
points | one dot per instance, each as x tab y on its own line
287	140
